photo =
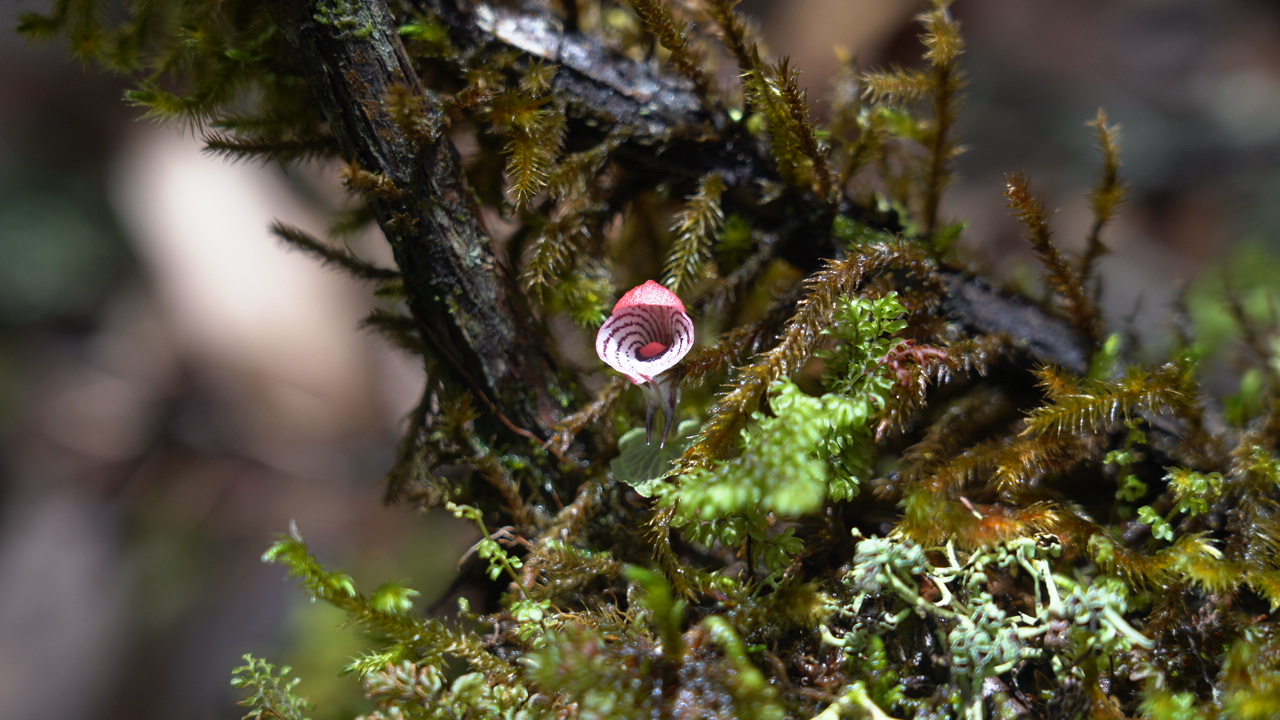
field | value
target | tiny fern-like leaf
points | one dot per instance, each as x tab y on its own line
805	452
780	470
272	693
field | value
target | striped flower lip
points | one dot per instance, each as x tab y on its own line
647	334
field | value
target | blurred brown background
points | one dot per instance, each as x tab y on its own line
175	387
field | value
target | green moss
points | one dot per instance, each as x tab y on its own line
891	505
345	16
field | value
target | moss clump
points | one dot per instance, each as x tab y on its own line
907	494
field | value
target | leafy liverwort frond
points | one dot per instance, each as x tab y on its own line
437	694
781	469
604	678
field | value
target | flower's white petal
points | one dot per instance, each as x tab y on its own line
630	334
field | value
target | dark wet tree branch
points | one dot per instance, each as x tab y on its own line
463	297
672	137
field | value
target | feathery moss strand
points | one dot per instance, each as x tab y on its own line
1094	406
1064	277
1105	197
256	147
800	339
672	35
696	228
330	255
943	45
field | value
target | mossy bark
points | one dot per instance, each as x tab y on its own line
460	291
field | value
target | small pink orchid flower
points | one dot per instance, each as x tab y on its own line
648	333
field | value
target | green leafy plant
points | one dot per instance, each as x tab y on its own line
271	692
